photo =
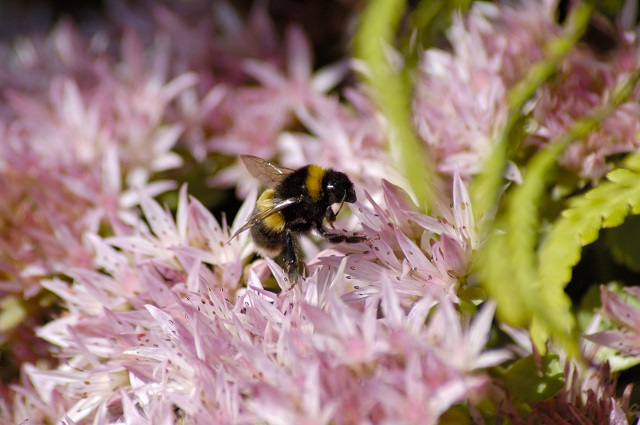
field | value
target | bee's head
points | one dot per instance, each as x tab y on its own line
338	188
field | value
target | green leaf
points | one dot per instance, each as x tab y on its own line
526	382
497	273
604	206
620	363
392	92
511	269
508	262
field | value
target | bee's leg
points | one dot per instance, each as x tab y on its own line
290	257
339	238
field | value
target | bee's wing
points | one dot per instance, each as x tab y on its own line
268	173
257	218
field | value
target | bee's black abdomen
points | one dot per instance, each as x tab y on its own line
267	243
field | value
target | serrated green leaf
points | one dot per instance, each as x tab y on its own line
508	266
591	230
525	382
607	204
616	218
620	175
548	305
528	290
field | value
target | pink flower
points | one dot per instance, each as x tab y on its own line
460	104
259	113
624	335
589	394
459	136
345	351
425	256
82	135
345	135
586	84
590	400
159	333
162	319
74	134
195	236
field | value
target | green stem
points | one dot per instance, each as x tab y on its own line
392	92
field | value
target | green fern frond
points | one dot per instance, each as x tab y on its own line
602	207
509	269
549	306
508	263
520	279
392	91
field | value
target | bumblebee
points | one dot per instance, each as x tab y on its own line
296	202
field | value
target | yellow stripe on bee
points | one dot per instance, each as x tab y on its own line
275	222
315	173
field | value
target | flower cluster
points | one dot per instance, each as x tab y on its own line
167	328
78	148
623	313
424	256
461	104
